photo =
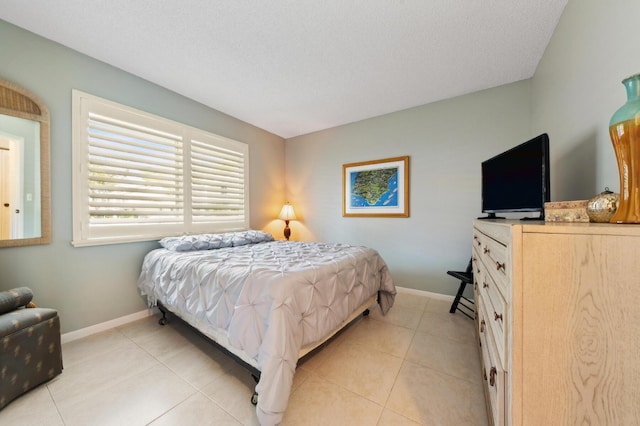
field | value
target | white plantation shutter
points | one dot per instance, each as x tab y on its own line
140	177
135	174
217	181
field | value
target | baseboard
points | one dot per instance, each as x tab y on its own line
107	325
117	322
439	296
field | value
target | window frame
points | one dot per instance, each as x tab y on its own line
87	234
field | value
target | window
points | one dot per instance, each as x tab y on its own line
137	176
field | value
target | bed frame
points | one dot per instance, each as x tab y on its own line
305	353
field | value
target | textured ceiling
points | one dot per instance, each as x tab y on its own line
297	66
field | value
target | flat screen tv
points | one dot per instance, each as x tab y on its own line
517	180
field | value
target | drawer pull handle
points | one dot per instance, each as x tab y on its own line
499	266
497	316
492	376
484	374
486	250
484	284
482	324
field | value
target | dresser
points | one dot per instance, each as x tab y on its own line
558	321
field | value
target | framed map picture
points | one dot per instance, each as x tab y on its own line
376	188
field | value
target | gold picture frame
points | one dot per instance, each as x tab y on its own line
377	188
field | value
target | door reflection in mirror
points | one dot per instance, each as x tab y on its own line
20	178
25	187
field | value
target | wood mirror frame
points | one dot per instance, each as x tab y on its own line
15	101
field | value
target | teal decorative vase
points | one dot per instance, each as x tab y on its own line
624	129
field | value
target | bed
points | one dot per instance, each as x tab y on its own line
267	302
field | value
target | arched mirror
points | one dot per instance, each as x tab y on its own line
25	201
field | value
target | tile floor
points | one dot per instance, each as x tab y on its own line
416	366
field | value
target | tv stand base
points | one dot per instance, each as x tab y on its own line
491	216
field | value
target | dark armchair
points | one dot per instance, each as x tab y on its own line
30	349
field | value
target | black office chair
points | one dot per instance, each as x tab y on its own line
465	278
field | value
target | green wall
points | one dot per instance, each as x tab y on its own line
577	88
446	142
91	285
572	95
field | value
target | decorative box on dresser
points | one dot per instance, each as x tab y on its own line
558	321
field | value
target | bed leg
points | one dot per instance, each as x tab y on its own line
254	397
163	320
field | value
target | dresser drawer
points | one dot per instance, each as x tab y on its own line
496	311
482	322
477	242
492	373
495	257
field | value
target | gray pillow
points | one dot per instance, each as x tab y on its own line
13	299
214	241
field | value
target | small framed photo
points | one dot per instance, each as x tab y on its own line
378	188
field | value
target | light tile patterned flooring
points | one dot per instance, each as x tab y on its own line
418	365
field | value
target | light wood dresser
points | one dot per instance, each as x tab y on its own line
558	321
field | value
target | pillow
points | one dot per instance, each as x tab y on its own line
214	241
13	299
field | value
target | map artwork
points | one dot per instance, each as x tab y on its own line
375	188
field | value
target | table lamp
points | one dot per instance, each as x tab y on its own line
287	214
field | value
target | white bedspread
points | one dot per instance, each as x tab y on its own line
265	301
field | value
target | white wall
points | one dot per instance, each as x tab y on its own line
446	142
576	89
91	285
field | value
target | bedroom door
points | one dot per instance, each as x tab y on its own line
5	194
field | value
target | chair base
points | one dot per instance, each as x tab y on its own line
458	302
464	309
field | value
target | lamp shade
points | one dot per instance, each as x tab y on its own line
287	212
